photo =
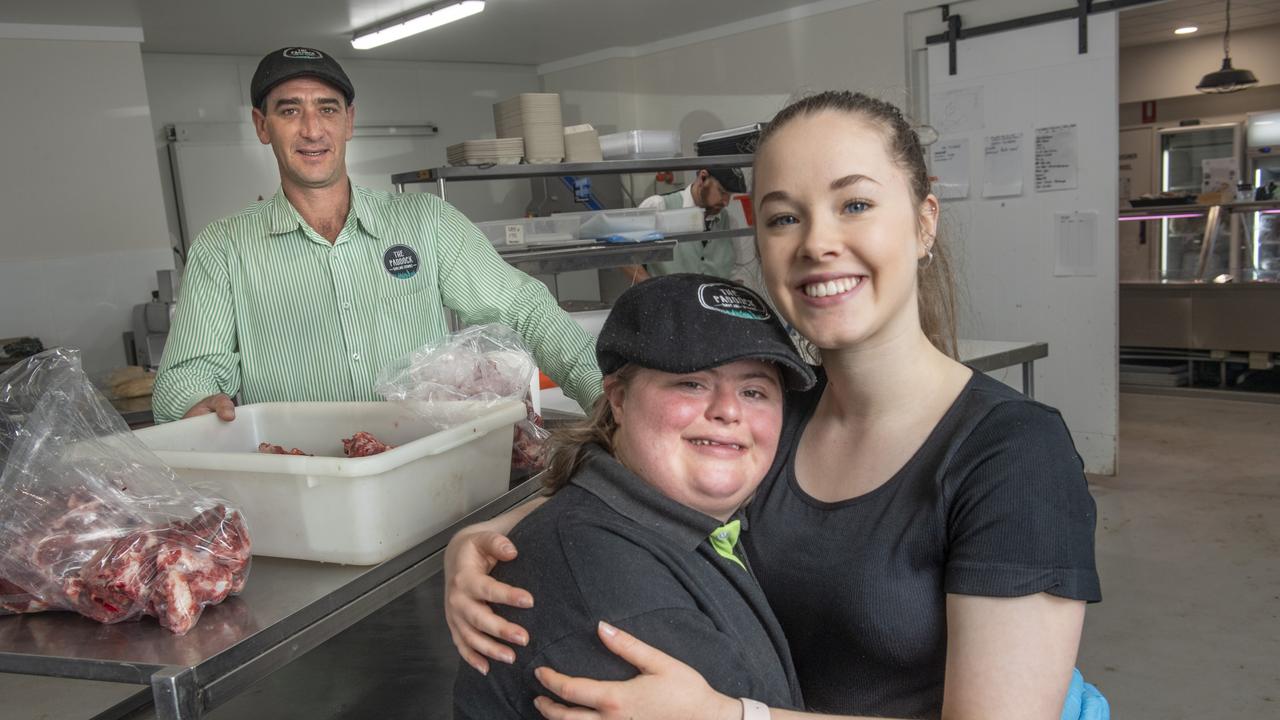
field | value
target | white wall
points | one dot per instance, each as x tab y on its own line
1172	69
745	72
458	97
1005	247
80	195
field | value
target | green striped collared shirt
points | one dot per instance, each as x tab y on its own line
270	310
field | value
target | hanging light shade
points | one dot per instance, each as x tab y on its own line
1228	79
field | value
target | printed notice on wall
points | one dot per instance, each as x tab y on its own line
950	164
1076	241
1002	159
1056	158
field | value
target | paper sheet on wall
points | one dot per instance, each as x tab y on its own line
1056	158
1076	243
950	164
1002	156
960	111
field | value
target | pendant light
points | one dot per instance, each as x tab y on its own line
1228	79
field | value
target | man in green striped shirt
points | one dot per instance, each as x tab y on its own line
307	295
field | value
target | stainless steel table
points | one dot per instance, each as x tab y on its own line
988	355
288	608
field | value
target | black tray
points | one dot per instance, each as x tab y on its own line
1162	201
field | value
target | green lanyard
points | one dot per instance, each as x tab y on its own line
724	539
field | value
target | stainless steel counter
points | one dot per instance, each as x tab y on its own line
288	608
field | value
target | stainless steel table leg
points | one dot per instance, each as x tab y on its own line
1029	379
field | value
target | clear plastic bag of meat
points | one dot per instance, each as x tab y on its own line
482	363
91	521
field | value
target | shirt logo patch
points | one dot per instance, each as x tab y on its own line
401	261
733	300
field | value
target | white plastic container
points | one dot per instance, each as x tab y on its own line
599	223
531	231
640	145
331	508
681	220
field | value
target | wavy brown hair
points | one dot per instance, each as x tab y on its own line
566	448
936	292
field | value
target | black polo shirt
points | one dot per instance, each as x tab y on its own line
610	547
994	503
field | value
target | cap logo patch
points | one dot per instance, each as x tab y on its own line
733	300
302	54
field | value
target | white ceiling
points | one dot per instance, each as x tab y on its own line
1155	23
526	32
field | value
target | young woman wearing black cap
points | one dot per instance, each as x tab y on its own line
925	536
641	530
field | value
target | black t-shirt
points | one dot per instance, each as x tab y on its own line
610	547
994	503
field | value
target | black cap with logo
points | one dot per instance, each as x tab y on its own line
686	323
730	178
291	62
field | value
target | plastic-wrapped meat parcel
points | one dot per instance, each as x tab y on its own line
91	521
485	363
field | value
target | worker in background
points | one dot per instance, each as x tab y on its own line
306	296
711	191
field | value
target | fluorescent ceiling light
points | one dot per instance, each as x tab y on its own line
432	16
1186	30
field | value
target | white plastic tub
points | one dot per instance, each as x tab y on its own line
640	144
332	508
530	231
681	220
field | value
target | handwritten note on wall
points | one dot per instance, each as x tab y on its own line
1056	165
950	164
1002	160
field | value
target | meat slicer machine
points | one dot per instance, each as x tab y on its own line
144	344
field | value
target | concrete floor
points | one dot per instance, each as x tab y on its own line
1188	547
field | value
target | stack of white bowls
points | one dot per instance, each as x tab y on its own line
536	118
502	151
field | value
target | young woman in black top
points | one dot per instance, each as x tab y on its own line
925	535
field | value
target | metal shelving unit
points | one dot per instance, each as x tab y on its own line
585	255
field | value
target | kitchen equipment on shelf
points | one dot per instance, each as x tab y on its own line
150	324
732	141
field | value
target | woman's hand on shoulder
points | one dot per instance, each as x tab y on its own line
468	589
665	688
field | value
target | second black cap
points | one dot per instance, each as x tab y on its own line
686	323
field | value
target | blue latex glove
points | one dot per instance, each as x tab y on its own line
1084	701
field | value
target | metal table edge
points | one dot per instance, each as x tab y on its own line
1007	358
213	667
